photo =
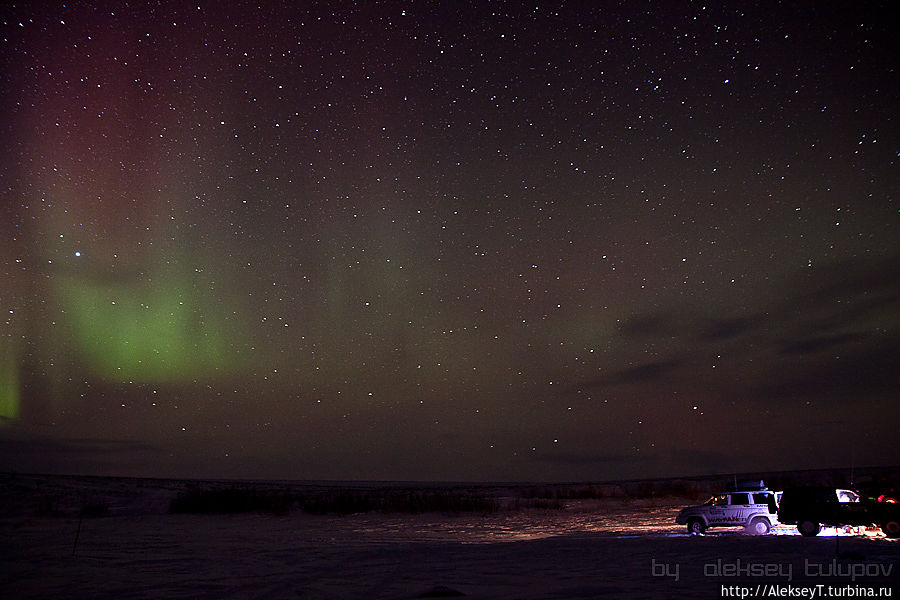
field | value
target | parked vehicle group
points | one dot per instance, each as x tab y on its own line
756	508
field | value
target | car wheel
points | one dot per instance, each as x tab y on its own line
759	526
809	528
891	528
696	526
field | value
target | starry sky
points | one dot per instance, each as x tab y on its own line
449	241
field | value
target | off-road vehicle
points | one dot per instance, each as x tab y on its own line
751	506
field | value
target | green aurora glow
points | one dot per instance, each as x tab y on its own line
160	330
9	382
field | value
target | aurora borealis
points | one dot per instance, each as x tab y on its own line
448	241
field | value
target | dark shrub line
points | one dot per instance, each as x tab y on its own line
342	502
229	500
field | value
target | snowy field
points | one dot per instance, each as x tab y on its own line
127	545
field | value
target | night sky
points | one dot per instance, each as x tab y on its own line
458	241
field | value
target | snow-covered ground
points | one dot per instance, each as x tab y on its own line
589	549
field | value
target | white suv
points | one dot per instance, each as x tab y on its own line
756	510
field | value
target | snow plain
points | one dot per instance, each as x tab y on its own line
619	548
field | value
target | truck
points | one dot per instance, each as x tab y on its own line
810	508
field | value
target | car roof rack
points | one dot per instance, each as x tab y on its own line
749	485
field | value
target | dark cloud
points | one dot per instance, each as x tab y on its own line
819	344
648	373
842	294
642	374
852	278
39	454
651	325
599	460
861	374
41	446
728	328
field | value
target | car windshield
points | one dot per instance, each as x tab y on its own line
847	496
